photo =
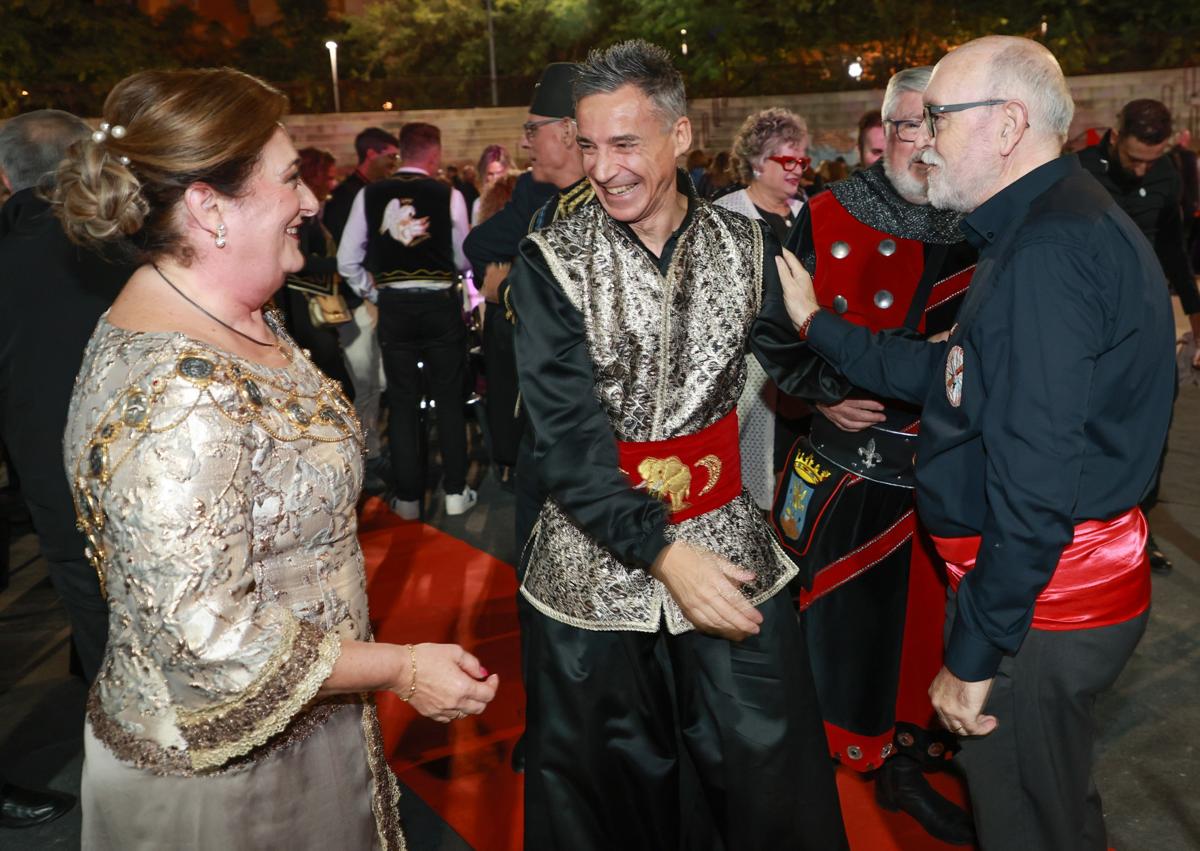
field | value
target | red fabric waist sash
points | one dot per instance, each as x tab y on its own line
1102	578
692	474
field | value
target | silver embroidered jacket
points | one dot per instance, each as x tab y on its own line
668	357
218	497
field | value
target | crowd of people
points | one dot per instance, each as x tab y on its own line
805	470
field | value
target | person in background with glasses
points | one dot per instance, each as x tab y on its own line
770	155
1044	413
874	595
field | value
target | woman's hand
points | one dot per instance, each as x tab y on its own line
451	683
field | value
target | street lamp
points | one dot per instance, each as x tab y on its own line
337	101
683	42
855	69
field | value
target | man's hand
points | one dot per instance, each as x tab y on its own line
493	277
798	295
853	414
959	704
707	589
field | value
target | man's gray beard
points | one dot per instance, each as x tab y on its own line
911	189
944	193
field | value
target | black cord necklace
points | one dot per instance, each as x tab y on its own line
200	308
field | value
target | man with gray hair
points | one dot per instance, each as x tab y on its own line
53	294
1044	413
872	595
670	701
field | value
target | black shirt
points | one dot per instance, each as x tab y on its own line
1067	383
337	208
575	448
1154	204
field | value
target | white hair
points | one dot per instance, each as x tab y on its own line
908	80
1028	72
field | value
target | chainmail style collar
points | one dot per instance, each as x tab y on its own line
869	197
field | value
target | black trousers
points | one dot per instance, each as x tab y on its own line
660	742
505	423
1031	779
424	328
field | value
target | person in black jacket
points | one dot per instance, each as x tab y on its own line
54	292
1131	164
378	153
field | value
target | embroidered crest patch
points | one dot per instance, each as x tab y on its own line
954	375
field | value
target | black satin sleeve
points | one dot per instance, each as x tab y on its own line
574	445
791	362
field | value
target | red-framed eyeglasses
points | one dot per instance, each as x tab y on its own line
792	163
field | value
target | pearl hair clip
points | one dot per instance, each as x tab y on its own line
117	131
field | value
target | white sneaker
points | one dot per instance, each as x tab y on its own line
405	509
461	503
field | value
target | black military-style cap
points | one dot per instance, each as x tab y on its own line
553	96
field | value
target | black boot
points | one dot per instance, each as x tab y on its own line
27	808
1159	562
900	784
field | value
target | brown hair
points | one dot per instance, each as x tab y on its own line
492	154
496	196
314	165
416	138
180	127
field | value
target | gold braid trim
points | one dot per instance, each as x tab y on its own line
385	800
290	679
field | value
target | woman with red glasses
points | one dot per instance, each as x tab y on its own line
770	157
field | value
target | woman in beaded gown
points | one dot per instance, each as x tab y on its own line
215	472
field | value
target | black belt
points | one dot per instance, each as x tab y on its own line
880	455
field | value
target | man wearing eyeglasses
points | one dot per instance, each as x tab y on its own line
872	599
1044	414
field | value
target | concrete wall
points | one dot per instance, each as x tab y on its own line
832	116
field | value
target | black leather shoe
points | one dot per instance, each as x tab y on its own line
901	785
26	808
1159	562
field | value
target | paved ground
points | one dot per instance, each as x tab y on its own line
1147	768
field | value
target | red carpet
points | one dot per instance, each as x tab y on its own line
428	586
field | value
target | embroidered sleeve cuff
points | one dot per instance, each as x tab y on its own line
302	661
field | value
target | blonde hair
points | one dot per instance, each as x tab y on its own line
760	134
180	127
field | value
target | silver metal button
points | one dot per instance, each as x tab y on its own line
854	752
887	247
883	299
840	304
840	250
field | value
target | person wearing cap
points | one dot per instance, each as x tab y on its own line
670	701
554	187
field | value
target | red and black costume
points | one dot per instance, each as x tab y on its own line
871	590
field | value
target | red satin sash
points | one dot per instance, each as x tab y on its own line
692	474
1102	578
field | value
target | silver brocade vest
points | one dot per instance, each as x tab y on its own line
669	360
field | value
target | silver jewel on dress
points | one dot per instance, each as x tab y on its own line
840	250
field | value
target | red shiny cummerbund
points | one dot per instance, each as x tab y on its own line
692	474
1102	578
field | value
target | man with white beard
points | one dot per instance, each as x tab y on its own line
1043	417
873	598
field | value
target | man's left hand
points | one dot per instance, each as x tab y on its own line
959	704
798	295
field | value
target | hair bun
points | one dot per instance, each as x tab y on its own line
97	197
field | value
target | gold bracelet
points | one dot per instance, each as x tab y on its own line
412	689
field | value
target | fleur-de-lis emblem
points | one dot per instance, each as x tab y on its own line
869	455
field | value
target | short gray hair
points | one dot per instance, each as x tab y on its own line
634	63
32	145
908	80
1029	72
762	133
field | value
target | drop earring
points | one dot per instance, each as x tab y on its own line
220	240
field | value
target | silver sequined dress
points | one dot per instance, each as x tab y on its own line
218	500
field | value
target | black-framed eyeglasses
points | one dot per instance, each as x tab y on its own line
933	109
906	129
531	127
